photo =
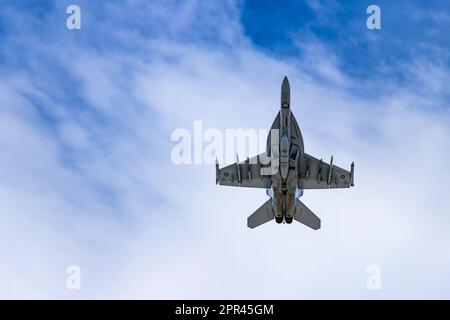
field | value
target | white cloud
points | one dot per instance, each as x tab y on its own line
100	190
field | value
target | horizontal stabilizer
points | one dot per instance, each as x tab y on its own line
260	216
304	215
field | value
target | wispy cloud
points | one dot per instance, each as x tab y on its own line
87	179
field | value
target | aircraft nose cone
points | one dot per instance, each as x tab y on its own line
285	93
285	86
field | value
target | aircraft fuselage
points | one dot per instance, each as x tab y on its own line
284	183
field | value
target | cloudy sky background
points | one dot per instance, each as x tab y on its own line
86	176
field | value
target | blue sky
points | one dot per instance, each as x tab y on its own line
86	177
410	30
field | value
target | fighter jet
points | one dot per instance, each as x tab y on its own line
285	170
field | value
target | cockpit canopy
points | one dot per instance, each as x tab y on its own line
294	152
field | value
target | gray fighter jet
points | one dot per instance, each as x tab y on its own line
284	170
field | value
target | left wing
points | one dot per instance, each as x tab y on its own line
244	174
316	174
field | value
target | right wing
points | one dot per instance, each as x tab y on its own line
244	174
317	174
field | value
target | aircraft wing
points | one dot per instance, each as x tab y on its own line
317	174
244	174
